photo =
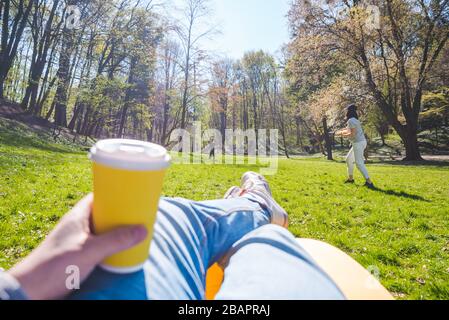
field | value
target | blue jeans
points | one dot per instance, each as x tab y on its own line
262	261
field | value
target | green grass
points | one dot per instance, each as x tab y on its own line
402	230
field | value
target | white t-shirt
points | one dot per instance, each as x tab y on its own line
353	123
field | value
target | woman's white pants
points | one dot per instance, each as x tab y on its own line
356	156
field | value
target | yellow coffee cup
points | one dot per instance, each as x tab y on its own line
128	179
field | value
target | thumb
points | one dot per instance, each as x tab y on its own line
118	240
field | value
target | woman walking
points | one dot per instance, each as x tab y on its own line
354	132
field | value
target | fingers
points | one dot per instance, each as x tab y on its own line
80	213
84	207
118	240
110	243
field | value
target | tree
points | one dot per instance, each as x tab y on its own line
11	35
378	121
145	38
252	63
220	92
190	34
169	69
44	34
63	77
323	111
396	54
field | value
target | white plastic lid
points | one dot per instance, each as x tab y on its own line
130	155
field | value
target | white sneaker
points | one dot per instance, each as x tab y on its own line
252	180
234	192
256	185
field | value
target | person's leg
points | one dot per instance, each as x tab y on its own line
359	154
350	160
269	264
189	237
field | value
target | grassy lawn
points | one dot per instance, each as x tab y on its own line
402	229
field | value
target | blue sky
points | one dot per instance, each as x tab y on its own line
248	25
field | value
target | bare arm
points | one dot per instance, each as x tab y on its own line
347	133
70	243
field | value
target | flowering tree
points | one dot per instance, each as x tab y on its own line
393	43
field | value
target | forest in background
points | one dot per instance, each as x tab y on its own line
124	68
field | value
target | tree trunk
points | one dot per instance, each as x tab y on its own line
165	120
437	142
298	132
30	100
327	140
255	118
60	116
410	139
166	111
50	112
85	124
10	41
382	137
223	125
2	81
245	113
284	141
76	113
63	75
128	98
123	117
45	95
78	125
41	47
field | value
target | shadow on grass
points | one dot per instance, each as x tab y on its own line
425	163
401	194
10	140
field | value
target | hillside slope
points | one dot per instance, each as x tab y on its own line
20	129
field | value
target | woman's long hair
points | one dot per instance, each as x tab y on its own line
352	112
